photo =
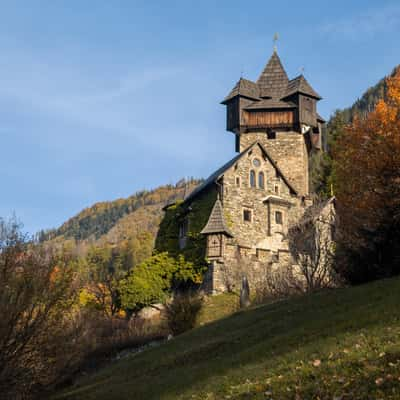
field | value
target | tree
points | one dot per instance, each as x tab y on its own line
367	185
105	267
38	336
311	244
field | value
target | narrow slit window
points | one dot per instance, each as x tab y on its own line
276	189
237	181
252	179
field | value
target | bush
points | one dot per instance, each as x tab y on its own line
182	312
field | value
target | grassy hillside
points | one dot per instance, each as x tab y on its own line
341	344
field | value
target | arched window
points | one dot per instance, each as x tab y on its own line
261	180
252	179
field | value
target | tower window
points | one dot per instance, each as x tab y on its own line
238	181
252	179
278	217
247	215
261	183
276	189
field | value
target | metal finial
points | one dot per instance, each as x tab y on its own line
275	39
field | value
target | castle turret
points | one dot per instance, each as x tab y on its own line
279	113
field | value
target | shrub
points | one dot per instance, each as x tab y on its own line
182	312
153	280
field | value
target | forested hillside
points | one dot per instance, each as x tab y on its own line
119	220
322	180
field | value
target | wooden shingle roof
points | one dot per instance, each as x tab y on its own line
273	80
272	84
300	85
216	221
245	88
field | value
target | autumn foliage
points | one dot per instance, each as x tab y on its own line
367	183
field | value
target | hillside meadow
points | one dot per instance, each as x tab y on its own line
336	344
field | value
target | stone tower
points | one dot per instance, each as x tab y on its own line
279	113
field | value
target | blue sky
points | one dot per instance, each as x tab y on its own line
101	99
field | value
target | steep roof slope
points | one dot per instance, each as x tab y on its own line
273	80
273	84
216	221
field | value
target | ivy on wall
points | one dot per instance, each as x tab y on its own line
197	213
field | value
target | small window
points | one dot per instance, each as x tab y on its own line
278	217
183	228
247	215
238	181
271	135
252	179
256	162
276	189
261	183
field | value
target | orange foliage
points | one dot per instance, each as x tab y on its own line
367	167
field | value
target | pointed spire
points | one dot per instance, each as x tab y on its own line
216	221
273	80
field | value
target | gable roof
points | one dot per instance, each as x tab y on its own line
245	88
300	84
220	172
216	221
273	80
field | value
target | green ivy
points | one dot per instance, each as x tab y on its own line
197	212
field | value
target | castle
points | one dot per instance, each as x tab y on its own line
250	202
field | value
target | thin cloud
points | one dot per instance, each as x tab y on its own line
367	24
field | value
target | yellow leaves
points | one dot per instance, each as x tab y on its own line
394	88
86	298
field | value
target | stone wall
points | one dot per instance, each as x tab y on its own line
289	151
262	240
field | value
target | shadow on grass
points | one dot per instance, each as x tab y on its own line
245	344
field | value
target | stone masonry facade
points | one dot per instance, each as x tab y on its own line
264	190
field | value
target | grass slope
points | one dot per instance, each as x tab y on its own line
341	344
